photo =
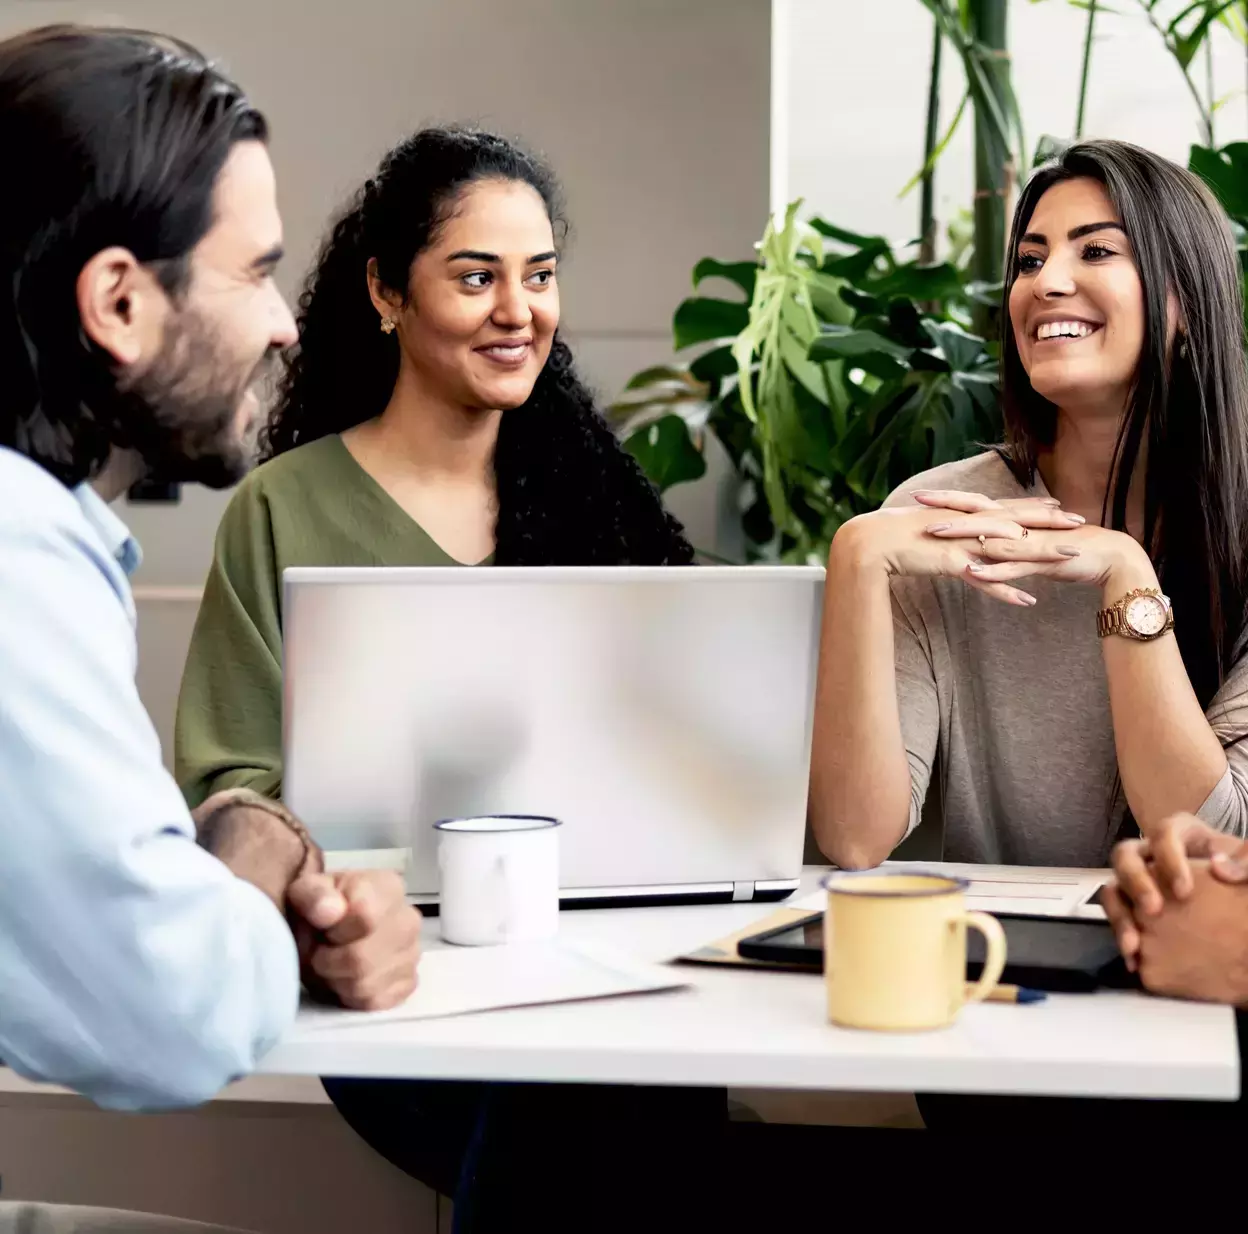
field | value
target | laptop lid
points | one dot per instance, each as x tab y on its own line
662	713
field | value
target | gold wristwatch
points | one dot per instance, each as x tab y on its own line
1143	614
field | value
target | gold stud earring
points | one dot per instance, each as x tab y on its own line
387	325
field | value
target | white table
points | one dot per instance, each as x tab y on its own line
751	1029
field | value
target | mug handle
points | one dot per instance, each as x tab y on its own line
994	962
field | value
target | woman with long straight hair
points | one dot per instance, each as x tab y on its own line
1055	625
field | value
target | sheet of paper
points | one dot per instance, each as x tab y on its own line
465	980
1039	892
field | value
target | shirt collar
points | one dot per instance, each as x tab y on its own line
111	530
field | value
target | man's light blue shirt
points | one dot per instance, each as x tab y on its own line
134	967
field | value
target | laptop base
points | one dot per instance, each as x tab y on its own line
655	897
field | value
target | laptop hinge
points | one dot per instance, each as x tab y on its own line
742	891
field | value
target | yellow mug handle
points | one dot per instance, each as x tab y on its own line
994	962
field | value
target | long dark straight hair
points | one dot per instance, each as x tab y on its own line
1189	401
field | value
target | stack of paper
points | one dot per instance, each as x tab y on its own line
462	980
1017	890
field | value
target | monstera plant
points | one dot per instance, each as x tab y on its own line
830	370
1226	173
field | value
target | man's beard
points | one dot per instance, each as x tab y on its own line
181	412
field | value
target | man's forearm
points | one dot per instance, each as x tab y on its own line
256	846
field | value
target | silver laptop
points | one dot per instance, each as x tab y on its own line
662	713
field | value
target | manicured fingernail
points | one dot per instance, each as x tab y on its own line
940	527
1067	550
974	567
1075	518
1026	598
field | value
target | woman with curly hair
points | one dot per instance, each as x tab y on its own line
430	416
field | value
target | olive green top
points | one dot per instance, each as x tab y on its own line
314	506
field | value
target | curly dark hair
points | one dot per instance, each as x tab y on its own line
568	493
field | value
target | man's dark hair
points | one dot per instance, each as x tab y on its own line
108	137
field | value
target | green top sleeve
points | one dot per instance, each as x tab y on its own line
312	506
228	732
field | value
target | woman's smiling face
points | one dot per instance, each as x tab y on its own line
1077	303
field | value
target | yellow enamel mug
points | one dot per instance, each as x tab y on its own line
895	950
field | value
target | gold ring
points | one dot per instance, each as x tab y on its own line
983	542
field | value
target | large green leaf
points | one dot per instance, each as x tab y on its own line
855	266
859	301
659	373
828	297
850	343
702	319
1226	173
1185	44
929	360
794	338
905	325
932	282
962	350
718	362
868	477
843	236
666	452
659	392
743	273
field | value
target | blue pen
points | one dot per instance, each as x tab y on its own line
1015	994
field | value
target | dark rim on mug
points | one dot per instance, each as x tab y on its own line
522	822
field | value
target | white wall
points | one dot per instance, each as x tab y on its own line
851	93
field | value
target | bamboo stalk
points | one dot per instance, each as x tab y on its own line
987	20
927	200
1087	64
1209	81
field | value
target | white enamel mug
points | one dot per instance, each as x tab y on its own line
499	879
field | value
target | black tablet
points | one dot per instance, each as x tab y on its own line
1045	953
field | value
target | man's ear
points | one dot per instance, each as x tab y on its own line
122	306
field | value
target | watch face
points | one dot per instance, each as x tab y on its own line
1146	615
